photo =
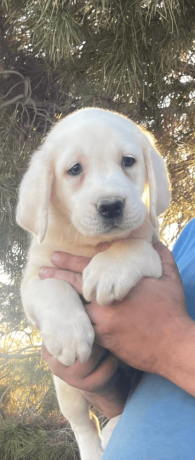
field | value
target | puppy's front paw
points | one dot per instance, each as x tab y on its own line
70	340
105	280
109	277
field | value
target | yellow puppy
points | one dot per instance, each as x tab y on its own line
96	178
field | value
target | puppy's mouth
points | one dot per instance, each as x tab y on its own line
107	230
115	227
112	226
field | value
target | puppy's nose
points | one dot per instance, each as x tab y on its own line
110	210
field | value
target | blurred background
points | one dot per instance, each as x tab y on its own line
133	56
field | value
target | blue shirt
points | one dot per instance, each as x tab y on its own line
184	254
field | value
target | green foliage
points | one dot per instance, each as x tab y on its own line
133	56
36	440
124	45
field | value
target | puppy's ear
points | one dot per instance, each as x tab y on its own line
158	182
34	195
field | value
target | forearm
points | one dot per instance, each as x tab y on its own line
177	354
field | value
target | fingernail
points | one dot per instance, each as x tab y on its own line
55	257
42	271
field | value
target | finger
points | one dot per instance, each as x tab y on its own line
91	375
57	368
70	262
87	376
82	370
78	370
99	315
75	279
168	262
102	373
92	310
47	272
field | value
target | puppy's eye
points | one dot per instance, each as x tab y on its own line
75	170
128	161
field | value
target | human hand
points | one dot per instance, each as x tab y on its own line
148	328
143	328
99	379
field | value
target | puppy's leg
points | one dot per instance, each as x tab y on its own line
111	274
64	324
76	409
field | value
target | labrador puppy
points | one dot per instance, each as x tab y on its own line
96	178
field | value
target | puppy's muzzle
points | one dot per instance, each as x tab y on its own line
111	211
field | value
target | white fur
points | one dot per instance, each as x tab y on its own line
61	211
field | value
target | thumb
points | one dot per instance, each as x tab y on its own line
168	263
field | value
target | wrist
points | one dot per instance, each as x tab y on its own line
110	399
177	354
110	404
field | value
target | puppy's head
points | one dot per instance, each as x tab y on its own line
94	167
